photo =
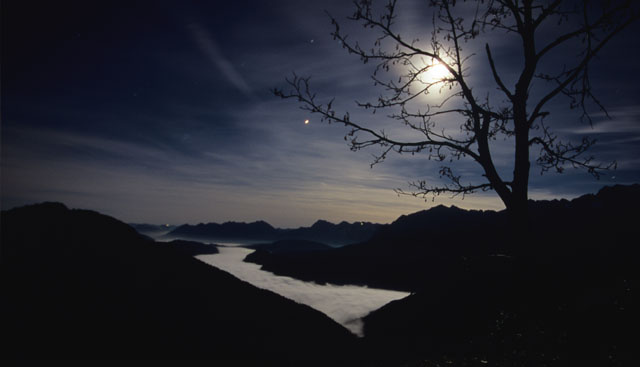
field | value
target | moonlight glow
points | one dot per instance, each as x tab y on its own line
434	73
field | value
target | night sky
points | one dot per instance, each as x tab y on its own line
161	112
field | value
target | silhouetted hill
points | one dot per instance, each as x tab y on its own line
289	246
80	288
340	234
429	243
399	256
192	248
321	231
560	308
565	293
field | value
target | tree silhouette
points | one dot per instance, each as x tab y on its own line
581	30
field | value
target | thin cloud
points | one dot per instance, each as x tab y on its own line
609	127
210	48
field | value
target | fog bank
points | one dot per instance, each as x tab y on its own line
345	304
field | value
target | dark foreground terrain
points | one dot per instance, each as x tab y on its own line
563	294
80	288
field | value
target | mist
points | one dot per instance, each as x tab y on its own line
347	305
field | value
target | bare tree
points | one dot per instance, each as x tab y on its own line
516	115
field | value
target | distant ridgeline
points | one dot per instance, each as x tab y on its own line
426	244
321	231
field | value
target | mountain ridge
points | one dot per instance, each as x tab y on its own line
320	231
447	235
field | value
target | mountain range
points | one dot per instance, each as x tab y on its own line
443	236
321	231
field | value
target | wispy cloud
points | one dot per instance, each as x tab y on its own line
612	127
292	180
210	48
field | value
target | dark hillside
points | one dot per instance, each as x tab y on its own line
290	246
427	245
80	288
563	294
401	255
336	234
191	248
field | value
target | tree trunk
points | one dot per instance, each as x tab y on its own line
518	208
518	213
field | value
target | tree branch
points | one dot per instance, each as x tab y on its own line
301	92
496	77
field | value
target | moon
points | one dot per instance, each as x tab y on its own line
306	122
439	70
435	72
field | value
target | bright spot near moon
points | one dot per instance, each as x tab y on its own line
306	122
436	72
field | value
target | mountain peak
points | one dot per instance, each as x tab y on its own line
320	223
442	207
